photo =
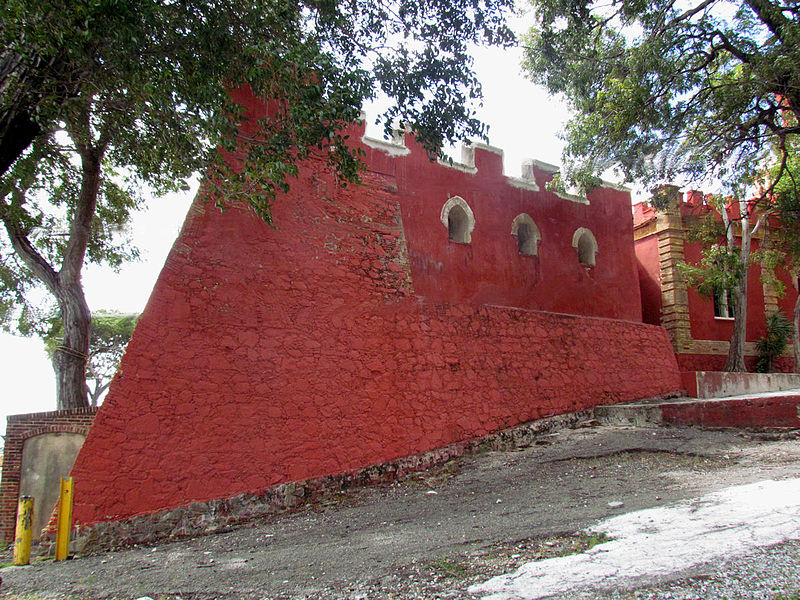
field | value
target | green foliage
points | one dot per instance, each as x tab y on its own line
39	197
708	230
719	269
661	89
155	77
771	259
786	201
771	346
110	333
144	87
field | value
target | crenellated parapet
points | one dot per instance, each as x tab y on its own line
480	158
477	235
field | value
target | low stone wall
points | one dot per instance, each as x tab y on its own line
765	412
718	384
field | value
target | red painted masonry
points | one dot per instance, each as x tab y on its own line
354	332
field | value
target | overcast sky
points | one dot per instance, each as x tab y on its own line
523	121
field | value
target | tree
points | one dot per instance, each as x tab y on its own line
700	92
126	97
110	333
723	269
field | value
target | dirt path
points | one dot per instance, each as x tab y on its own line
431	535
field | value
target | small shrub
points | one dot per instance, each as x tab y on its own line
774	342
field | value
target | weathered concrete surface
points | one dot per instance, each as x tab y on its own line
717	384
766	410
393	541
657	542
46	459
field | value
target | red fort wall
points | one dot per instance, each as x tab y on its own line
354	332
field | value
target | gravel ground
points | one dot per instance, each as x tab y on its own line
433	535
767	574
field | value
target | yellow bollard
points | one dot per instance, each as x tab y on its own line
22	539
64	527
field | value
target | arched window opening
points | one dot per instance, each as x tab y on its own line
458	218
583	241
458	225
585	251
527	234
525	242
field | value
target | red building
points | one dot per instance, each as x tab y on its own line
700	328
431	305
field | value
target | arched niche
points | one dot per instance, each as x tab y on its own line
527	234
459	220
586	245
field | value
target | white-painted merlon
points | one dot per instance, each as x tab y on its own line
573	196
467	164
390	148
658	542
397	148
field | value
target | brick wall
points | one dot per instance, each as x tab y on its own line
268	355
18	429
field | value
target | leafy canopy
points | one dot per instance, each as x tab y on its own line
131	98
660	89
164	68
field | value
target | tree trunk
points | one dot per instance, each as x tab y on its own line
735	362
69	358
796	340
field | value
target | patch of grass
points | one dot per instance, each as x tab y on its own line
582	542
452	568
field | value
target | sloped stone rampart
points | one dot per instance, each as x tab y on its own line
271	355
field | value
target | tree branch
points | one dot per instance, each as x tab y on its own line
693	11
771	16
27	252
81	226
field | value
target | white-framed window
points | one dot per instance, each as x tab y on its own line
586	245
527	234
459	220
